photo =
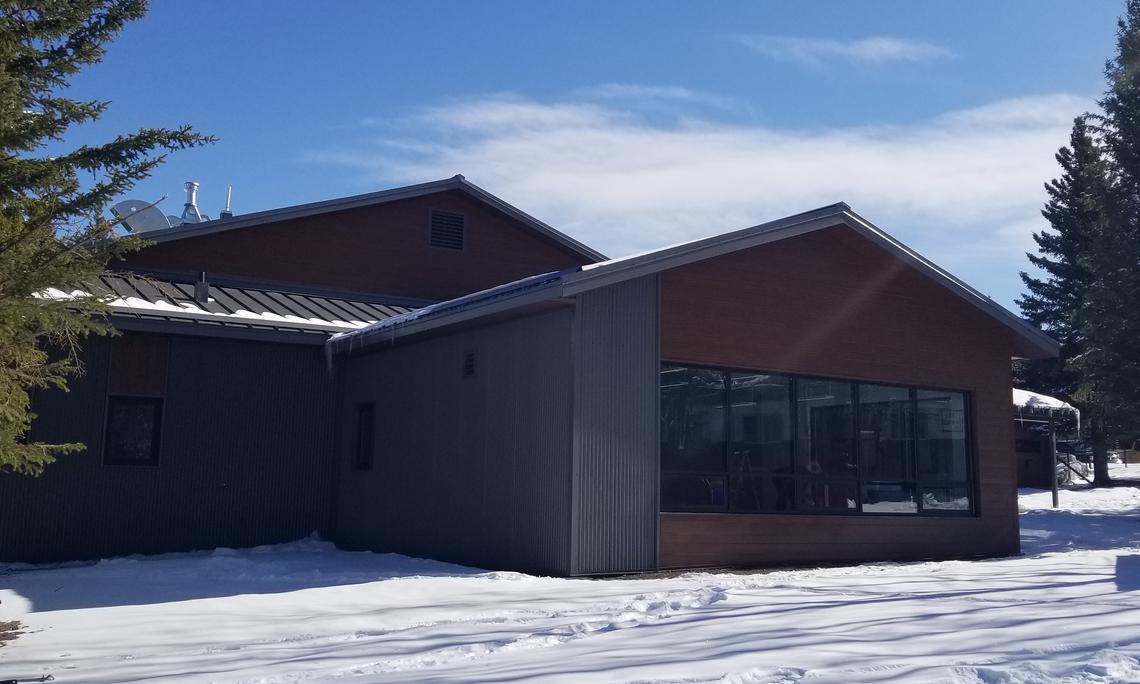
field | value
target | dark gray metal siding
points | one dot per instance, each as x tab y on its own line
473	470
246	444
616	439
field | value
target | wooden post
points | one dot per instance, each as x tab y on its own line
1053	461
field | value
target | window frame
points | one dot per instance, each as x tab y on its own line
859	480
155	459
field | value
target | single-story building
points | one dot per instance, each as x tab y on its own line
805	390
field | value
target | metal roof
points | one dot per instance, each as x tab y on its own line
456	182
573	281
229	305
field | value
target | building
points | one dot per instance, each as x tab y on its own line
807	390
1041	424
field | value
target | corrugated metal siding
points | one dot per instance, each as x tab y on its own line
247	434
473	470
616	441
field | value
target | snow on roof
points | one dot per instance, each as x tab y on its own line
1026	399
346	340
230	304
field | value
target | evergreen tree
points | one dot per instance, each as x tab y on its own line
1074	211
1090	297
53	235
1109	316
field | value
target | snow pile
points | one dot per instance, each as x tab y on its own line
1067	611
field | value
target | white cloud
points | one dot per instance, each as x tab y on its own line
815	51
965	188
642	92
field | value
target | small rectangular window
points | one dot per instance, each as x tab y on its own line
446	229
365	420
468	364
134	430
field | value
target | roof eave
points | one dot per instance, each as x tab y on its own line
348	341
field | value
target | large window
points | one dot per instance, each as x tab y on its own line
758	442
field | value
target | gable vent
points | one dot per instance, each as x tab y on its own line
468	364
446	229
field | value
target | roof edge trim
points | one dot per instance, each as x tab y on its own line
571	282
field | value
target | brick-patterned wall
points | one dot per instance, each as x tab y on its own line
835	304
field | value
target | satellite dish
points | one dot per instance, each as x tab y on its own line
139	216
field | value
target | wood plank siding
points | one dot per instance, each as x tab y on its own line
834	304
383	249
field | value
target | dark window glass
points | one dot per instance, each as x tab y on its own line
692	420
693	491
941	436
886	438
825	430
134	428
760	411
889	497
365	420
823	496
763	493
949	498
755	442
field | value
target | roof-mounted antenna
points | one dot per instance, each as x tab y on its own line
138	216
226	213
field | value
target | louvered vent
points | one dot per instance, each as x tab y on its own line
468	364
446	230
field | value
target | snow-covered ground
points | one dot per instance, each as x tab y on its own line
1066	611
1124	471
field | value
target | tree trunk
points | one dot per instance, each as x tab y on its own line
1099	454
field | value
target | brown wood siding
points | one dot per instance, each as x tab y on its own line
832	303
382	249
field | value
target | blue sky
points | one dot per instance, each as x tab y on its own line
629	125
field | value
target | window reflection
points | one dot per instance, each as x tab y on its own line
766	443
760	408
825	443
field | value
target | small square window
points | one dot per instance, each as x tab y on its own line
365	421
134	429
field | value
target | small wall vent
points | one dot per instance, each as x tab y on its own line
468	364
446	229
